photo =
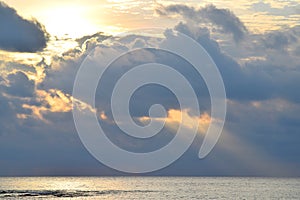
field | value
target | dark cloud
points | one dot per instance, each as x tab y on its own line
238	80
224	19
19	34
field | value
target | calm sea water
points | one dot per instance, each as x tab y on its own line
149	188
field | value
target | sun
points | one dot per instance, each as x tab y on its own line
69	21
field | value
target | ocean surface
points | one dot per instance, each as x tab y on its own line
149	188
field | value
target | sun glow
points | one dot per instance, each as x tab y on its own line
68	21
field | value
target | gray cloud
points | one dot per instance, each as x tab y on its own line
274	74
19	34
221	18
19	85
279	40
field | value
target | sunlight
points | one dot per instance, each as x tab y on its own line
68	21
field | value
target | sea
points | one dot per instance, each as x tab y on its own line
149	188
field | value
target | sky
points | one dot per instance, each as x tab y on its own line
254	44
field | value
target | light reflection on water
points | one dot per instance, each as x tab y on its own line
148	188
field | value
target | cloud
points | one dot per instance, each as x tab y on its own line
100	36
19	34
272	73
280	40
19	85
223	19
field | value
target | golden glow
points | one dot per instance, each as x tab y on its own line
176	117
103	116
36	111
52	101
57	100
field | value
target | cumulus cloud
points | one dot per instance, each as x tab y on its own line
223	19
19	34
